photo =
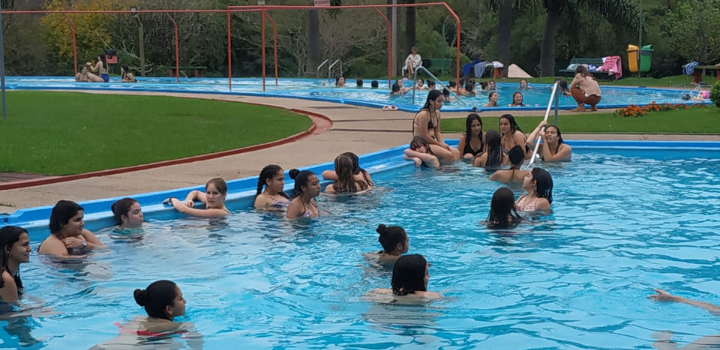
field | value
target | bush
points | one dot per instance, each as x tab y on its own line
715	94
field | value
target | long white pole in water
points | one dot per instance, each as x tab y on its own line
2	68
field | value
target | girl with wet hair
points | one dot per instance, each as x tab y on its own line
307	187
68	238
126	76
409	282
395	242
14	250
502	210
538	184
426	124
494	157
553	148
517	100
345	171
272	177
128	213
472	143
359	173
101	67
421	153
213	198
514	174
512	134
493	100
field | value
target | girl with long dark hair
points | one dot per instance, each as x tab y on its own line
472	143
553	148
307	187
494	156
272	178
426	124
538	184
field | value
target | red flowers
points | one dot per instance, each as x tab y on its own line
639	111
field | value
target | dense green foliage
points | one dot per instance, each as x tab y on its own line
58	133
37	46
715	94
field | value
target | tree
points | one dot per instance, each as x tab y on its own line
504	30
410	25
313	42
693	28
618	12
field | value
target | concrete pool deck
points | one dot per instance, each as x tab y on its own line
357	129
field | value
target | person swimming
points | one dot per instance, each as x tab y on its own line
409	282
272	177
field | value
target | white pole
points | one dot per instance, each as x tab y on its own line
542	130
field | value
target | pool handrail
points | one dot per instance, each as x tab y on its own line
318	69
436	79
330	70
553	98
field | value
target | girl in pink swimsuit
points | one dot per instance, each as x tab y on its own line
538	184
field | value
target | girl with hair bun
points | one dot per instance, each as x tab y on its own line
409	282
163	301
395	242
307	187
213	198
272	177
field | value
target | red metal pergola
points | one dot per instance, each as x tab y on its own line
263	10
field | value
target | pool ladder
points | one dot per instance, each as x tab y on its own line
318	69
330	67
554	99
436	79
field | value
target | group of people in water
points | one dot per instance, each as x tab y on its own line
99	72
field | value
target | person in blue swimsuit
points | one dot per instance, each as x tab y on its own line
272	177
101	67
307	187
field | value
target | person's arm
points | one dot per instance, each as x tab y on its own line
427	158
418	61
92	241
294	209
576	80
438	132
533	135
96	67
56	248
193	196
664	296
329	175
330	188
480	160
564	153
418	161
461	146
205	213
8	293
519	138
261	202
542	204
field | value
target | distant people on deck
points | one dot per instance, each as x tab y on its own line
213	198
426	124
14	250
101	67
126	76
552	148
272	178
412	62
68	238
585	90
472	143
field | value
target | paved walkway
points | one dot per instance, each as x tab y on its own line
357	129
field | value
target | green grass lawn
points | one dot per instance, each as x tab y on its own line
59	133
690	121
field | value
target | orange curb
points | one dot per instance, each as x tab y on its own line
321	124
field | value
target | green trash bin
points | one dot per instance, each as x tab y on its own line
645	58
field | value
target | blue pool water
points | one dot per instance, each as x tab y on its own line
535	98
624	221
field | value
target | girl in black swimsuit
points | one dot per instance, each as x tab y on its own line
473	135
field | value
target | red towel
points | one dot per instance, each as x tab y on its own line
612	65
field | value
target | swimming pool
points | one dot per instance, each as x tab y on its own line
628	216
535	98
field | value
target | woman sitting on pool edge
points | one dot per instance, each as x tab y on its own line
538	184
68	238
307	187
14	250
128	213
395	242
347	182
272	177
421	153
553	148
502	210
213	198
162	301
409	282
101	67
472	143
514	174
426	124
359	173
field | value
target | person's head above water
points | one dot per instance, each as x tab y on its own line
14	250
539	181
62	213
215	192
421	145
502	209
517	156
508	125
359	82
374	84
162	299
272	177
128	213
410	275
306	182
393	239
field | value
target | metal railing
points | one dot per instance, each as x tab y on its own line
436	79
330	67
318	69
554	98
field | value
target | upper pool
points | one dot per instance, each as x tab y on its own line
535	98
627	217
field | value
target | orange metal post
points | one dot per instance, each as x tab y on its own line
389	45
457	59
74	42
177	49
229	52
